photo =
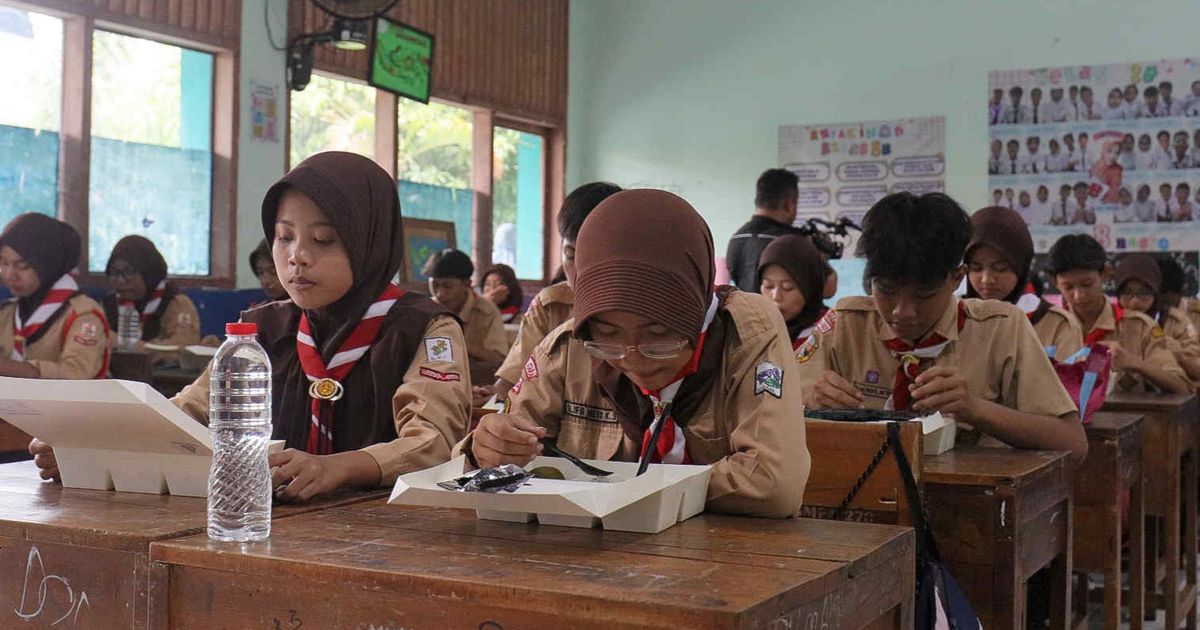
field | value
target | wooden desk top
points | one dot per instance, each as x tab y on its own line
1112	424
707	565
1118	401
33	509
991	466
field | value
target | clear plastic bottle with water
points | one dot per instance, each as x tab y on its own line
239	419
129	327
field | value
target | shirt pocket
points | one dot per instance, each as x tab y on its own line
590	439
707	442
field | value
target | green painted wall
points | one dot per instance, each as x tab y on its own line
688	94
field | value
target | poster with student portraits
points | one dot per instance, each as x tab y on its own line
1109	150
844	168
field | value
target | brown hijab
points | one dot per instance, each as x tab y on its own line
646	252
1141	267
50	246
649	252
1005	230
802	261
144	257
360	200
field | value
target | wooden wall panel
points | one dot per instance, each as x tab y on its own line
215	23
506	55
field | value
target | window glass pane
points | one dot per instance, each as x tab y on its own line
31	45
518	198
433	165
332	115
151	165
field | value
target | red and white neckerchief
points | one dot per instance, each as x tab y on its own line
60	292
1098	334
910	357
325	380
672	447
508	314
807	332
155	301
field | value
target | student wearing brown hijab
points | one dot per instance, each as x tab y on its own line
552	305
137	274
658	361
999	258
335	226
49	329
792	274
1138	280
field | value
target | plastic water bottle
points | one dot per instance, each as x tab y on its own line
239	419
129	327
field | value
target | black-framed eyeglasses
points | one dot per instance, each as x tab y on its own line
657	350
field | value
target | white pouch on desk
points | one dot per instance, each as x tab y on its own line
112	434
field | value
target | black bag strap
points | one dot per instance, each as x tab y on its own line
926	545
840	513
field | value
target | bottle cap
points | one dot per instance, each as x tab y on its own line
240	328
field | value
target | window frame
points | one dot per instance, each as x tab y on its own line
482	129
74	157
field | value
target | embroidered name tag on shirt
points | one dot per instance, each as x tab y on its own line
874	391
587	412
439	350
440	376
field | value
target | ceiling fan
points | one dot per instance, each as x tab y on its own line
349	29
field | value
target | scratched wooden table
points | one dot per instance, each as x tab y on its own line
74	558
1169	450
1112	469
1000	515
384	566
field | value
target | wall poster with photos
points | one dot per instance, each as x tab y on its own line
844	168
1108	150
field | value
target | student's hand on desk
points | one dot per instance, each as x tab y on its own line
502	439
299	476
831	391
942	389
43	458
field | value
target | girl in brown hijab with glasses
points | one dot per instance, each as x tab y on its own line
397	359
654	343
137	273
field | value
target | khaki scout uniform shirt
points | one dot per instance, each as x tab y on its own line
1142	336
487	343
1191	307
180	323
1060	329
551	307
1183	342
753	438
430	413
997	353
75	353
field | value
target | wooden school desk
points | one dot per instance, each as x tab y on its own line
80	557
386	566
1169	451
1000	515
1112	469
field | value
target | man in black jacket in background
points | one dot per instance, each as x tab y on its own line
775	212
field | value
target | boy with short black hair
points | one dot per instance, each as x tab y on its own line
1137	343
450	286
914	345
